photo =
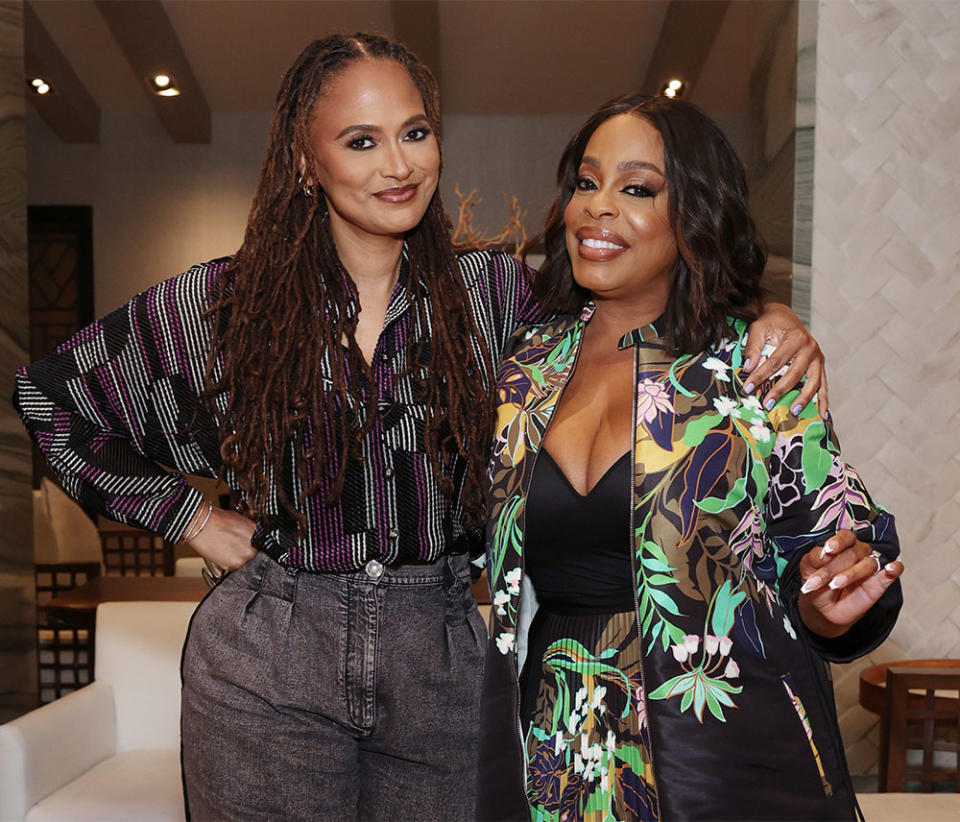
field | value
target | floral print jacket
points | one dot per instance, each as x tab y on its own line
727	497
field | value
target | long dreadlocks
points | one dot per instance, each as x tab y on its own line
282	310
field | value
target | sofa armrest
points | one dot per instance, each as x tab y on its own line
45	749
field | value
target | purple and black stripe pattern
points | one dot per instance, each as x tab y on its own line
122	398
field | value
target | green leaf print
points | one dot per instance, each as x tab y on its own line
570	655
507	534
714	706
679	684
630	754
759	473
714	505
654	564
725	603
535	373
698	690
599	800
652	548
558	357
656	630
697	429
671	633
653	601
815	459
664	601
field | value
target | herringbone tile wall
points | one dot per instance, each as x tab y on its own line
886	299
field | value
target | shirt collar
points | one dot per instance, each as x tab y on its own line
398	299
649	333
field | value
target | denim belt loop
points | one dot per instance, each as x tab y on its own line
452	580
289	583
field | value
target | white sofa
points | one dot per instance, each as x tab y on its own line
188	567
111	750
910	807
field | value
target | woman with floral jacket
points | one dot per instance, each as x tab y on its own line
696	556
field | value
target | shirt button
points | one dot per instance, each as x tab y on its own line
388	473
393	533
384	357
374	569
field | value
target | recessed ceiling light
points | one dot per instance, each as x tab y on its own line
40	86
163	85
673	88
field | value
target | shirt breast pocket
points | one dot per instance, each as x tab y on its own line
403	425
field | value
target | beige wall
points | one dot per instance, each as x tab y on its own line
157	207
886	298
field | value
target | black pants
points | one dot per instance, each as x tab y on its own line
333	696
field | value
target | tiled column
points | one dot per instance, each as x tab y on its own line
803	158
17	612
886	298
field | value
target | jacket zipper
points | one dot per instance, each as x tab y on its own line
523	563
633	567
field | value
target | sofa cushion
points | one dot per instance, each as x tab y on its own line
910	807
138	655
137	786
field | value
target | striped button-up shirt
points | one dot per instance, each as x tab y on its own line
122	398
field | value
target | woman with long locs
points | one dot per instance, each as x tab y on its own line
697	555
337	372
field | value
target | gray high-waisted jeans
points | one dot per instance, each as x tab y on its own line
333	696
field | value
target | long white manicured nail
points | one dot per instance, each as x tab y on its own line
838	581
828	548
811	584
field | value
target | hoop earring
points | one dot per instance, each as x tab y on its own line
307	188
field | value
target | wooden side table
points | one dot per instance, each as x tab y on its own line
873	697
873	680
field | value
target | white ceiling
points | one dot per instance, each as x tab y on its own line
496	57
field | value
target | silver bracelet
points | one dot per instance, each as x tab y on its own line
188	534
203	524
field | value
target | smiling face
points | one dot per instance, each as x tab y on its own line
618	233
377	158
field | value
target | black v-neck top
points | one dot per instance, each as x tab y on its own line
577	547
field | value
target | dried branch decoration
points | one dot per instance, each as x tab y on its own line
512	237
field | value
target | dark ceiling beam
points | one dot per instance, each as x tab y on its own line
686	38
151	46
416	24
68	109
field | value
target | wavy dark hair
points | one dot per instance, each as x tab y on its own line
283	306
719	259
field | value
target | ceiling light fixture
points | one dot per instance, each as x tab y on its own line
673	88
40	86
162	84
